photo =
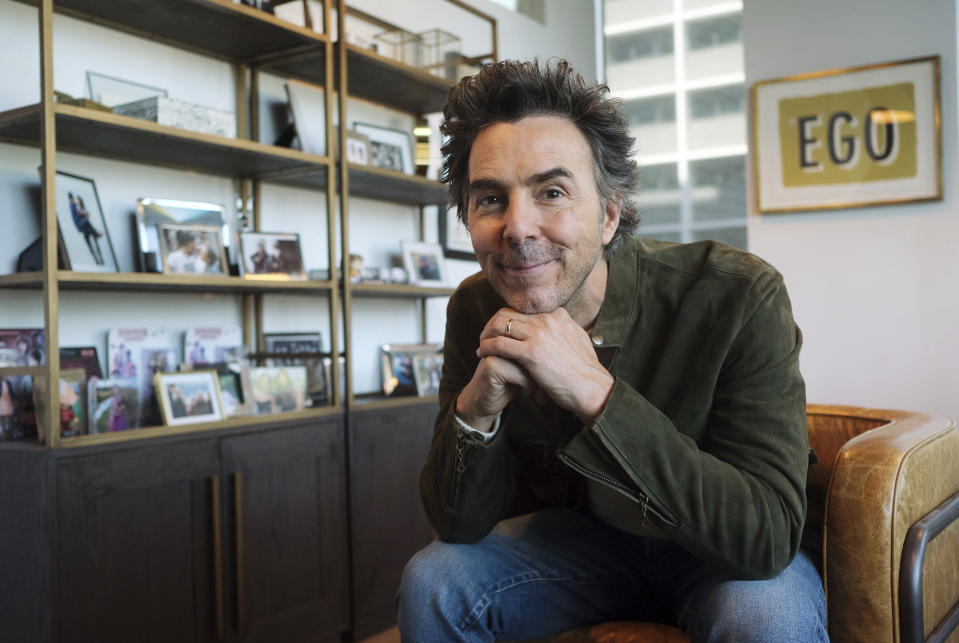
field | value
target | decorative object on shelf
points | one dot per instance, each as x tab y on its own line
84	357
428	369
114	404
357	148
83	229
401	45
399	275
86	103
17	415
22	347
390	149
140	353
308	107
440	50
271	255
277	389
212	345
235	391
31	259
375	274
73	402
192	249
851	137
454	237
399	374
151	212
301	349
189	398
178	113
424	263
110	91
356	268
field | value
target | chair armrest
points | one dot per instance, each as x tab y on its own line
882	482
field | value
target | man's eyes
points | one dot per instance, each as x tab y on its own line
487	200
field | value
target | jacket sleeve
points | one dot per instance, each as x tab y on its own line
466	485
735	495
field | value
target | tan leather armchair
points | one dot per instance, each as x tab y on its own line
890	484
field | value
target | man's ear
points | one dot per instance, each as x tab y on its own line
614	207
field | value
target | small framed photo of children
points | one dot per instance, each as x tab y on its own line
424	263
192	249
189	397
399	366
83	228
271	255
428	370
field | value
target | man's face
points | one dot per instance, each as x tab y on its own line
535	217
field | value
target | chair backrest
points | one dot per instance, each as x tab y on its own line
830	427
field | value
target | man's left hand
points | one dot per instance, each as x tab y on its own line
556	352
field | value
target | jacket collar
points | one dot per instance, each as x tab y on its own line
621	301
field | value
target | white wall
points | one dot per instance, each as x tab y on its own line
873	289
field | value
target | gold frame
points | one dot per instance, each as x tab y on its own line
866	200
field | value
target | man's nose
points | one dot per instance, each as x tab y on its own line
521	220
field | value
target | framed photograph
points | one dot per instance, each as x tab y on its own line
848	137
188	398
212	345
428	370
308	108
424	263
73	402
454	237
398	366
140	353
390	149
277	389
83	229
271	255
22	347
84	357
235	391
152	212
111	91
192	249
304	349
357	148
114	404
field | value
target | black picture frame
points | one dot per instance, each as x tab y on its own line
83	229
452	248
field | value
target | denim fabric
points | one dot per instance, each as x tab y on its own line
558	569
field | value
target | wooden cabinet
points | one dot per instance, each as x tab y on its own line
388	448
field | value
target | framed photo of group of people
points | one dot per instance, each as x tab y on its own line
411	369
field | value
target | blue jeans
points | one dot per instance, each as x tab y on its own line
558	569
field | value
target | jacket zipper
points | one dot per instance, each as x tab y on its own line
638	496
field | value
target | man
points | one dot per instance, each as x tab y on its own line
637	404
187	257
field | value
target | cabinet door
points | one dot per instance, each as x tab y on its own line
136	533
288	531
388	448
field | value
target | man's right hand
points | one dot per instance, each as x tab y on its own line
494	385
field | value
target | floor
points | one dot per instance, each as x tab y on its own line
388	636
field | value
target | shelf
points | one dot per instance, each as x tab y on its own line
98	133
155	282
404	291
375	401
389	185
394	84
238	422
219	28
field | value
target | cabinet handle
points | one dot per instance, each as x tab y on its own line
238	527
217	556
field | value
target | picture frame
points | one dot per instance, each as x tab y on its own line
85	357
192	249
390	149
153	211
73	402
140	353
111	91
22	347
212	345
271	255
455	237
278	389
83	229
301	349
308	109
428	371
424	263
189	397
844	138
113	404
398	367
357	148
235	392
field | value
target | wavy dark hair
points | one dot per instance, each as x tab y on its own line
509	90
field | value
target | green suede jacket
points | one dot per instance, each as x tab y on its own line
704	430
